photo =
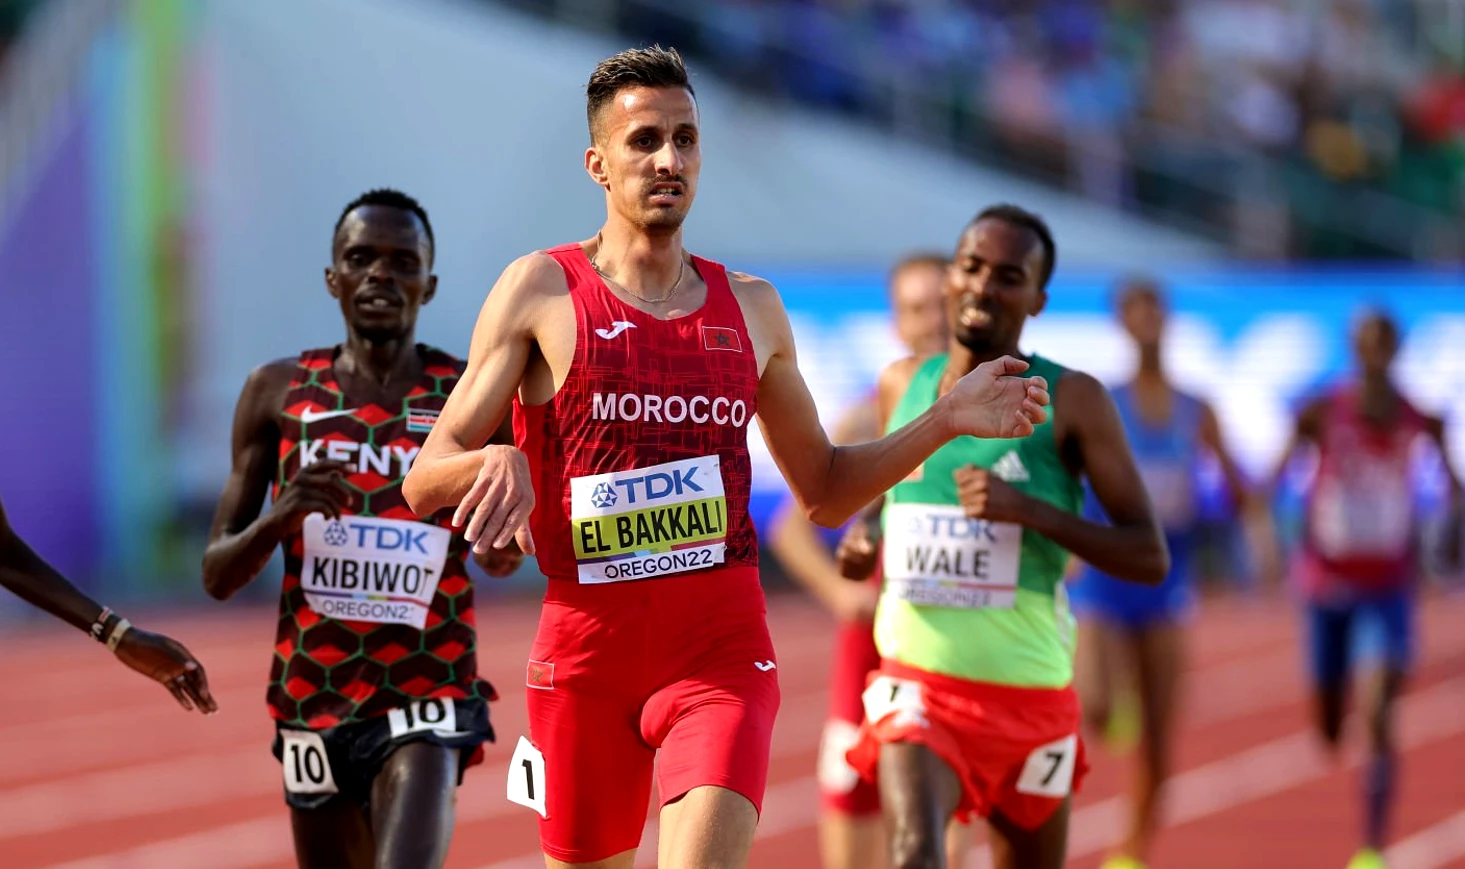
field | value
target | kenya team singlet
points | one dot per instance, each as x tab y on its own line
376	608
640	459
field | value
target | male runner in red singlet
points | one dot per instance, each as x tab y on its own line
374	690
1359	556
851	834
160	658
634	370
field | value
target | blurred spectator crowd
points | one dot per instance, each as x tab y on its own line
1291	127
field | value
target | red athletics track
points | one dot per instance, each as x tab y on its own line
99	770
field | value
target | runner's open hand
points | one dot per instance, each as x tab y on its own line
167	662
991	401
497	507
316	488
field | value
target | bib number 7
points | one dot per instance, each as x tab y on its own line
1048	771
307	768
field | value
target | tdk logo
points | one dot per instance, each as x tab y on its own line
657	485
336	534
379	538
603	496
952	528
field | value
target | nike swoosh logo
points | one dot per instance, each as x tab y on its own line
616	328
310	416
765	666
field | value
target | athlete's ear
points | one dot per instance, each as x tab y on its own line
331	286
595	166
431	289
1039	303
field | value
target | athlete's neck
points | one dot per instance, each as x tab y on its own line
961	360
1376	393
1151	364
1149	375
381	362
647	264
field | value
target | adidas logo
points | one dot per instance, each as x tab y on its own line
1010	468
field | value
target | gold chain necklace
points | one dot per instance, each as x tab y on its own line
682	273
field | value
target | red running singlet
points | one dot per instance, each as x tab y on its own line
1360	513
640	460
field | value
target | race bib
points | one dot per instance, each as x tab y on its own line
902	698
307	768
1171	486
1048	771
526	777
651	521
434	713
1368	514
936	556
372	570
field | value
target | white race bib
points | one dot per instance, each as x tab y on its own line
936	556
372	570
902	698
1171	486
1048	771
433	713
651	521
1369	513
307	768
526	777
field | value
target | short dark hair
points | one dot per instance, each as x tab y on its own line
1019	216
916	259
389	198
1134	286
1377	316
653	67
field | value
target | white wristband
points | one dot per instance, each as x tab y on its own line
118	631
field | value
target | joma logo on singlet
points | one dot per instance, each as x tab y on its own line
699	409
388	460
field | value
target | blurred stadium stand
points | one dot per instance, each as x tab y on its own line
1284	127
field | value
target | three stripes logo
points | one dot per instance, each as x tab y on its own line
1010	468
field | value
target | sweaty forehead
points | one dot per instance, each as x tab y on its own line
665	108
381	225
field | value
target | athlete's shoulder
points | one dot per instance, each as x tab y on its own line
436	359
1078	396
533	275
896	378
751	289
275	375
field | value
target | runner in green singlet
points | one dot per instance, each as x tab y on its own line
973	711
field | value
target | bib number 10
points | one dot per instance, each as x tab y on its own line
433	713
307	768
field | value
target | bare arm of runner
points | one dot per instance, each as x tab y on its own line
1306	430
859	547
501	562
160	658
806	558
240	539
1091	439
1455	513
1250	501
488	483
830	482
